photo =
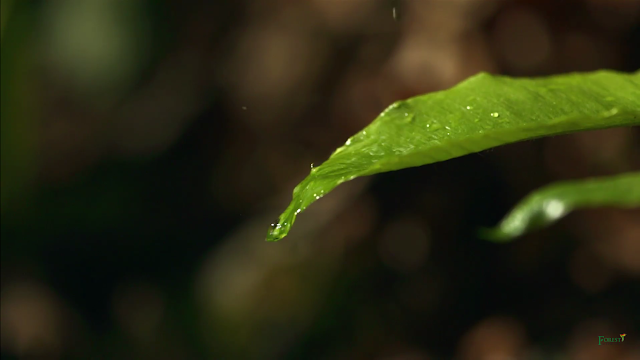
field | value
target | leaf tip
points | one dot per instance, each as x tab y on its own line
277	231
496	235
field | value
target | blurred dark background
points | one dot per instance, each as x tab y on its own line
147	145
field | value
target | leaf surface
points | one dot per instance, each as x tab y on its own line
550	203
482	112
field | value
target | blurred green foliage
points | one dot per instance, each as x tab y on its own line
18	130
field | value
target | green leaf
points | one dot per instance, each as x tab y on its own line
480	113
552	202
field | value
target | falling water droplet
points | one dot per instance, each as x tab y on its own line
495	114
244	108
394	14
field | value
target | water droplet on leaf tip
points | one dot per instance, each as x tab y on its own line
311	166
495	114
274	227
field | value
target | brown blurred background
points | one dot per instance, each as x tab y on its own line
147	145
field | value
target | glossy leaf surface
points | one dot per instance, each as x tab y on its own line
480	113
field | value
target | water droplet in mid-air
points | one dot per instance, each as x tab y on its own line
495	114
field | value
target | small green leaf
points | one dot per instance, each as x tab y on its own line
480	113
552	202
